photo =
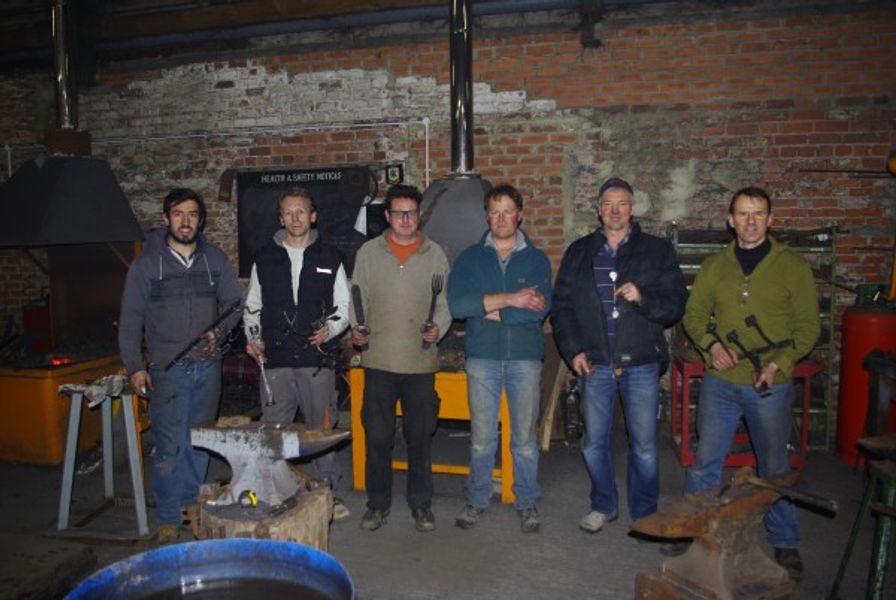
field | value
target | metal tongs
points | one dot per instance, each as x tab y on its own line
438	281
327	313
254	330
754	355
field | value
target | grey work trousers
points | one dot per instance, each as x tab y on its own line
313	391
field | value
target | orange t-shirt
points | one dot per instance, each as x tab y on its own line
403	253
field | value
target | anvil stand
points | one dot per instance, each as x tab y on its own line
285	506
102	392
725	562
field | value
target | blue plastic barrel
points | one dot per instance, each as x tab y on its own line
222	568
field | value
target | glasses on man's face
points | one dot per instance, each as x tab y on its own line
404	214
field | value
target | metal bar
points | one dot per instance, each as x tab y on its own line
136	467
66	113
68	466
44	268
883	534
121	257
461	54
108	458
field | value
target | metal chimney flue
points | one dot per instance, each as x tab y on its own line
65	139
461	48
66	94
453	213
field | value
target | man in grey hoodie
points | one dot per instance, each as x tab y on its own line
174	291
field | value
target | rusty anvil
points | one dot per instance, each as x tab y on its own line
726	558
258	454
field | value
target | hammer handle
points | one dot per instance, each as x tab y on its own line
811	499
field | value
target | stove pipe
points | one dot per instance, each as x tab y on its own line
461	49
66	93
452	210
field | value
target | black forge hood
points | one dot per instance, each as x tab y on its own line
65	200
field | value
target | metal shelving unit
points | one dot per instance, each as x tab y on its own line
818	247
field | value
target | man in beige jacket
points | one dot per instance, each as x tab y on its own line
395	274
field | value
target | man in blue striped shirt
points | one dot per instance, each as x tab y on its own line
616	291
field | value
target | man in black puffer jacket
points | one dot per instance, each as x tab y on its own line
616	290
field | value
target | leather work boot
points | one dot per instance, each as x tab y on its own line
529	522
373	519
167	535
424	520
789	558
468	517
676	548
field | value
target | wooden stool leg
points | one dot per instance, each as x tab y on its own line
68	466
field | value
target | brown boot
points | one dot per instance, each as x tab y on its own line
167	535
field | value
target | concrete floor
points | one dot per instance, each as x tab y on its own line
495	560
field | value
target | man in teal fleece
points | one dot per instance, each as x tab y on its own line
502	287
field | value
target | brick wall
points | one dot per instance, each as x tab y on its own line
687	105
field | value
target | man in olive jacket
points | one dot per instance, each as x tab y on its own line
754	284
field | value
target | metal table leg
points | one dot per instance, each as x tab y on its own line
68	468
130	424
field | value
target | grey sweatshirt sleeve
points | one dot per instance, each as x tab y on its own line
133	316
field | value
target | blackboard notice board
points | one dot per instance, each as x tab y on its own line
338	192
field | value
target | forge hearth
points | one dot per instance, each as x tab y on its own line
63	355
34	415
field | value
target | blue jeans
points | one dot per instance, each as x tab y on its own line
184	396
639	390
721	407
520	379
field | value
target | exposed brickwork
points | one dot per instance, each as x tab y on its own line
687	108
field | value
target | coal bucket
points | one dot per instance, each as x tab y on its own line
222	568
